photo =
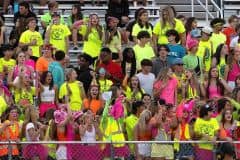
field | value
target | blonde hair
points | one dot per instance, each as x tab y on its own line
170	17
142	120
163	74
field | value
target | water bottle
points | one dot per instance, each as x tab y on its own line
10	9
15	7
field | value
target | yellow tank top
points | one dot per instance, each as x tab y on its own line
221	67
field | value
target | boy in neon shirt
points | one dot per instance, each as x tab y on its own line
143	50
32	38
6	62
205	50
57	34
217	36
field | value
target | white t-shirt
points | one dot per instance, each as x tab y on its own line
146	81
234	42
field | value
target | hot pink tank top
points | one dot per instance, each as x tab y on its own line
213	92
234	72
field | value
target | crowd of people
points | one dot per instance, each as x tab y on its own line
134	81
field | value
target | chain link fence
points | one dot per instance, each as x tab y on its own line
129	150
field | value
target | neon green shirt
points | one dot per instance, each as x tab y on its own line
75	96
217	39
141	53
221	67
209	128
47	18
28	36
93	44
161	32
9	64
205	53
57	36
137	29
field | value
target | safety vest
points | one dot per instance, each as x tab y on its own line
113	132
11	133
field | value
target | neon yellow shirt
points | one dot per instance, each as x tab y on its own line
9	64
21	94
3	105
205	53
105	85
161	32
47	18
141	53
217	39
221	67
137	29
93	44
75	97
28	36
209	128
57	36
115	44
130	123
130	95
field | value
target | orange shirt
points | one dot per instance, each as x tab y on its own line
94	104
230	34
42	64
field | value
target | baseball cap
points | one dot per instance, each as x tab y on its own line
207	30
177	61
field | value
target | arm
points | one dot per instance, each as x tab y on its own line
175	95
203	89
67	44
125	82
214	62
226	86
183	38
155	40
226	72
47	35
82	130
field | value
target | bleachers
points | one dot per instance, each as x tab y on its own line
153	6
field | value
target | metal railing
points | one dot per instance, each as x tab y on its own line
97	150
219	8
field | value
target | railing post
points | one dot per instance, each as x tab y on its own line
206	6
9	150
192	3
112	154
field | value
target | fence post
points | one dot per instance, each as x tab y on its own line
112	155
9	150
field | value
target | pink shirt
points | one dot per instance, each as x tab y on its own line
214	92
234	72
30	63
168	92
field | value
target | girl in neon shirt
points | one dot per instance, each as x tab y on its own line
72	89
93	36
112	123
142	24
190	85
113	38
220	59
132	88
215	86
